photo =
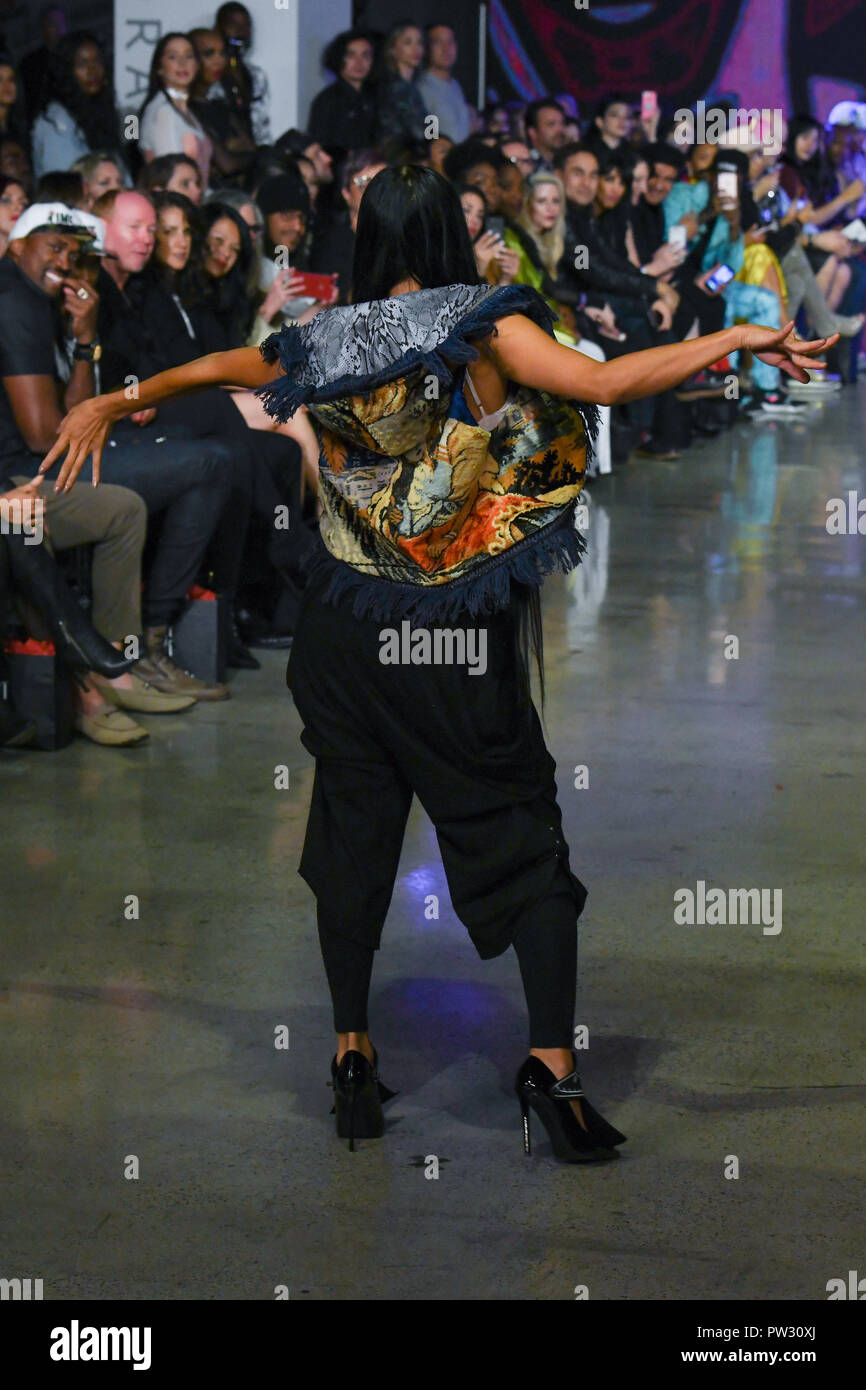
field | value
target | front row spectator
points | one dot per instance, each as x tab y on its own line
188	483
36	274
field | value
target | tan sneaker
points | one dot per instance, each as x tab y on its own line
143	698
107	725
157	669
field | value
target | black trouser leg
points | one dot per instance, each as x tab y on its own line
349	968
546	946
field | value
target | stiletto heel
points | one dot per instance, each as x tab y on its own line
40	581
524	1110
537	1087
358	1097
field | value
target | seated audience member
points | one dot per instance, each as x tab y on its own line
440	91
189	481
333	253
190	487
14	163
400	107
496	123
726	245
439	152
497	263
520	155
168	125
630	300
611	127
243	84
244	204
845	149
233	146
298	144
112	520
809	181
77	114
99	174
545	132
343	114
601	270
174	173
511	191
60	186
223	258
13	201
478	164
785	236
13	119
167	320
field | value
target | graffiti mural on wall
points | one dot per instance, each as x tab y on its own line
789	53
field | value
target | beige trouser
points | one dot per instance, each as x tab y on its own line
112	519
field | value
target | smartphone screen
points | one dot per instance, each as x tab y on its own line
677	237
726	184
649	104
721	276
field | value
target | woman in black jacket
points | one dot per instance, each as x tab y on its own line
343	114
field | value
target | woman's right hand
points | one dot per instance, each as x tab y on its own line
485	249
83	431
287	285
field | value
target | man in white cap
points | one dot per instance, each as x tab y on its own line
188	483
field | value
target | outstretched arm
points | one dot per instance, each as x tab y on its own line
86	428
524	353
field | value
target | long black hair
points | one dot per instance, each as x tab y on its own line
227	297
96	115
411	227
816	176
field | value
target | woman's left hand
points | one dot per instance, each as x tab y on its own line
782	348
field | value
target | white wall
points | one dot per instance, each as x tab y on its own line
288	38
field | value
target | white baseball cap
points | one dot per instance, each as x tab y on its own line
48	217
848	113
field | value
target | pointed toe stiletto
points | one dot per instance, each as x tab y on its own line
358	1097
538	1089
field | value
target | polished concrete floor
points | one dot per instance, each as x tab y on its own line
153	1039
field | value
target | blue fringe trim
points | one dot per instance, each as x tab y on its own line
485	589
282	397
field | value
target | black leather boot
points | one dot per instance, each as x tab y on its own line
39	580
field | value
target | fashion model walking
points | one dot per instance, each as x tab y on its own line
448	492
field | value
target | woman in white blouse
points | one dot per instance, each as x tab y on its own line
168	126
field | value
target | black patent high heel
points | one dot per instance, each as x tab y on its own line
537	1088
358	1097
77	643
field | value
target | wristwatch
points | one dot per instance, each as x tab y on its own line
87	352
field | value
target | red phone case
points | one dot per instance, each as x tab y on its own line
317	286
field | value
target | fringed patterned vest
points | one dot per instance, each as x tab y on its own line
424	512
